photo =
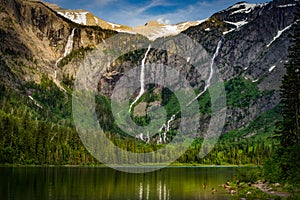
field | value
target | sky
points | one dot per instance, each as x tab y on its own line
134	12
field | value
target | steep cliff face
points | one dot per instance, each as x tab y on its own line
251	58
254	38
35	40
254	46
34	37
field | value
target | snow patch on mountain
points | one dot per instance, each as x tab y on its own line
287	5
279	33
246	8
96	20
35	102
77	17
226	32
154	30
272	68
237	24
167	30
113	25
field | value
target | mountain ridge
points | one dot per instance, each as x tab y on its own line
35	38
152	29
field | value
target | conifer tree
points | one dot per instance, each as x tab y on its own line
290	89
285	164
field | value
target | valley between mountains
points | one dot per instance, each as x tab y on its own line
42	47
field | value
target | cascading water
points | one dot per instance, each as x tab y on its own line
70	42
168	124
208	82
147	138
67	51
166	127
142	79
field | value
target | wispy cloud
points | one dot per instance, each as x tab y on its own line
102	2
134	12
152	4
200	10
163	21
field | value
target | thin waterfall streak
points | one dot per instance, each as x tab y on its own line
67	51
162	127
166	128
159	141
142	79
210	74
148	138
169	121
164	139
212	63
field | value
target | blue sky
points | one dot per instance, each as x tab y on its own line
134	12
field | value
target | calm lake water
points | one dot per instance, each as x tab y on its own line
104	183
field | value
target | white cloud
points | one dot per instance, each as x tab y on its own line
197	11
125	13
163	21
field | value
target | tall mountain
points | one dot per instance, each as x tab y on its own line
255	44
152	29
41	40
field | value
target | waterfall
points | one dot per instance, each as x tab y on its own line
148	138
168	124
164	138
140	136
211	72
67	51
69	45
142	79
212	64
162	127
159	141
166	128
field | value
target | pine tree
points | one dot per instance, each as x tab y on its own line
285	163
290	90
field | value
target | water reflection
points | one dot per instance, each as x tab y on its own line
74	183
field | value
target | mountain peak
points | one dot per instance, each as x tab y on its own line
154	23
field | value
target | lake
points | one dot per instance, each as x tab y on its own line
105	183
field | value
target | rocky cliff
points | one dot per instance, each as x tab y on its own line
255	44
34	37
37	41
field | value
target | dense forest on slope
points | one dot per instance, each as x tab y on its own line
29	136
